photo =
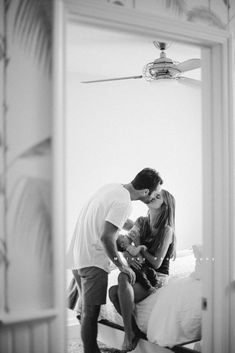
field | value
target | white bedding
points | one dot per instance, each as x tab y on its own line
171	315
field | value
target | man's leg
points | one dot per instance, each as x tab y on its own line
79	287
94	288
89	326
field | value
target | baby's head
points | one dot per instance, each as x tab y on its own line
122	242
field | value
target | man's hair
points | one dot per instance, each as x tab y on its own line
147	178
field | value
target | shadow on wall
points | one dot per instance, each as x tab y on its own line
30	275
30	248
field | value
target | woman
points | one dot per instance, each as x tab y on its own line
157	233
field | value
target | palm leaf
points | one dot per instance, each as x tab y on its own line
3	252
33	24
120	3
4	5
40	149
32	219
227	3
206	15
179	6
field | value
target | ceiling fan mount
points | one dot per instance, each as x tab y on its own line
162	68
161	45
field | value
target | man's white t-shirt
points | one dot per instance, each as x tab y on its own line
110	203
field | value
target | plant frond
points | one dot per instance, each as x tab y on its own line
204	14
7	4
120	3
40	149
32	220
33	24
227	3
179	6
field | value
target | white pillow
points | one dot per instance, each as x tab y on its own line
183	265
197	251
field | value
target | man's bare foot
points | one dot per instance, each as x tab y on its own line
130	344
127	344
135	342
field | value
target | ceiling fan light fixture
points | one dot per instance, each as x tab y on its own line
157	70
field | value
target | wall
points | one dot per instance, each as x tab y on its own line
115	129
26	289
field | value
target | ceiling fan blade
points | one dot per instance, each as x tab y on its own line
113	79
188	65
189	81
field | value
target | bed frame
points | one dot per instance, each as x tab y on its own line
112	335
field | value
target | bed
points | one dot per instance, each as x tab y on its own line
168	318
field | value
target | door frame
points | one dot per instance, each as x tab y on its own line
217	147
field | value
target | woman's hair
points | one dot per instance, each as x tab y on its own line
165	218
147	178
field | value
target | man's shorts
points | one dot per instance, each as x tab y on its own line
94	282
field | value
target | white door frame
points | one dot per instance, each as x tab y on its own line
218	169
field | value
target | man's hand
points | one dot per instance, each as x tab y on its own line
130	273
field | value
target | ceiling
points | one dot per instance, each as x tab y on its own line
96	53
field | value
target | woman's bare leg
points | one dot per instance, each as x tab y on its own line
123	298
113	296
140	293
126	302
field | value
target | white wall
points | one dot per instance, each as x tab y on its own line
115	129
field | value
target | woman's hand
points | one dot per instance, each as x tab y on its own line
132	261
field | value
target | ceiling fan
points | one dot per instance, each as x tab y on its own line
162	68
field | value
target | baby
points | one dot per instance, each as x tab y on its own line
146	275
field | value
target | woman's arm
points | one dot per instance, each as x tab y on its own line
156	260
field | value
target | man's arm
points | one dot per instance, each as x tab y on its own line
108	238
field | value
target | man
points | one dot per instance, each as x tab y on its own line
94	244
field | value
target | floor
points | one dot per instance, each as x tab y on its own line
75	346
74	340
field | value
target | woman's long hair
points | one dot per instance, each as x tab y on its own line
153	237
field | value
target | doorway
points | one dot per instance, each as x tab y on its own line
213	52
